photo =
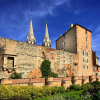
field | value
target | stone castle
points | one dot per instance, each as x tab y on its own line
73	54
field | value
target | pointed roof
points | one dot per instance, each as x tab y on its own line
46	40
30	36
46	31
31	27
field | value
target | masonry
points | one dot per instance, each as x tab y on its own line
66	81
27	58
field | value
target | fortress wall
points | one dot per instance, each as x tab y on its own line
28	58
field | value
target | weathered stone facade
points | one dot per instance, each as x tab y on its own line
28	57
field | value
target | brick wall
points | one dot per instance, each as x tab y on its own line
54	82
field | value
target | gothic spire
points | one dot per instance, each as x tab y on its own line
30	36
46	40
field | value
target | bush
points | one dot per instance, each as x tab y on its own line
52	74
67	75
95	93
62	89
95	83
54	90
16	75
74	95
86	86
45	68
47	90
74	87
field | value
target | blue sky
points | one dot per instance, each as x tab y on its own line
15	18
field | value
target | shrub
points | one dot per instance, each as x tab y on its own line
74	87
95	93
52	74
67	75
86	86
47	90
62	89
57	97
54	90
98	95
45	68
74	95
95	83
16	75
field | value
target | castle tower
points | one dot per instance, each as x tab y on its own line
30	36
46	40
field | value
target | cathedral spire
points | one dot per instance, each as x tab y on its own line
46	40
30	36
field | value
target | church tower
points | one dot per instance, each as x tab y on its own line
30	36
46	41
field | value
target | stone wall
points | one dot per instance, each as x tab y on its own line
68	41
66	81
28	58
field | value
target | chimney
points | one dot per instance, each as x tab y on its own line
71	25
60	35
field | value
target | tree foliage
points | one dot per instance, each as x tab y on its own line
16	75
45	68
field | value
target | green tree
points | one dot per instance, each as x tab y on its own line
45	68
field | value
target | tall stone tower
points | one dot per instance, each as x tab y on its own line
30	36
46	41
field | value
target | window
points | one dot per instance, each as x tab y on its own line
87	67
83	60
86	46
83	66
86	31
87	60
10	62
64	43
83	53
60	46
86	39
97	68
86	53
42	52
